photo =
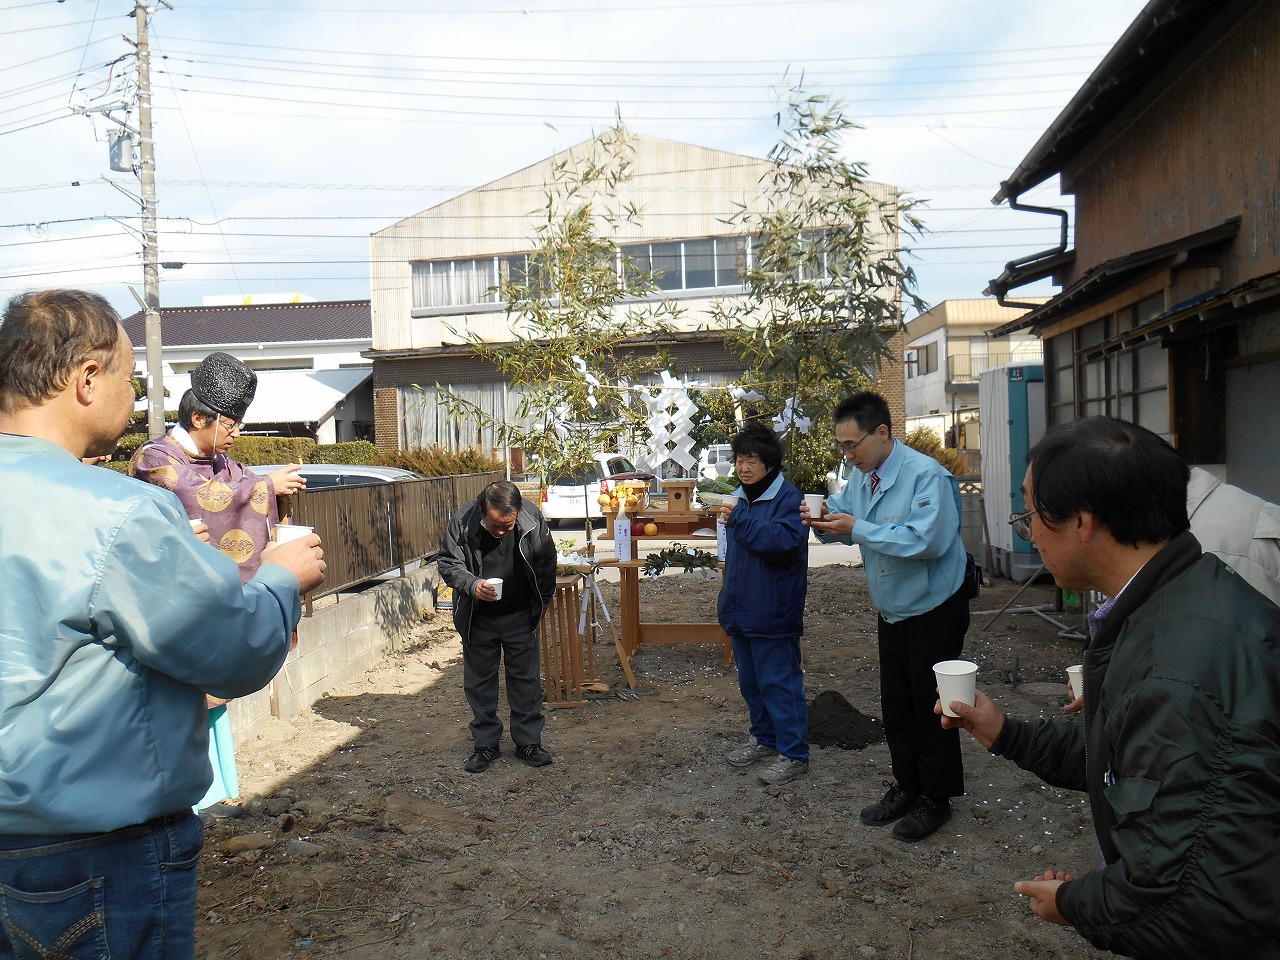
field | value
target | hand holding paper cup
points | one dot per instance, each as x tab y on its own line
957	680
1075	678
496	583
291	531
813	501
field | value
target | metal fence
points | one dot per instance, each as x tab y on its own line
374	528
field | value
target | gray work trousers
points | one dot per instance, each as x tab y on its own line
511	638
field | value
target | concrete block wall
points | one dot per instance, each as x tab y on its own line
337	643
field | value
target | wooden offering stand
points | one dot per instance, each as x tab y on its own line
633	632
680	518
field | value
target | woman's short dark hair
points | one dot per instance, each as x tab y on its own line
1131	480
189	405
867	409
757	440
501	496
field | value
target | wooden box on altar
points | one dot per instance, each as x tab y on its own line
679	495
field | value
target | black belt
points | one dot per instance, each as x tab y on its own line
169	819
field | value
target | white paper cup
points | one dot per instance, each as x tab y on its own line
1075	677
814	502
291	531
957	680
195	522
496	583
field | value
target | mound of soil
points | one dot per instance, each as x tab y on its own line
835	722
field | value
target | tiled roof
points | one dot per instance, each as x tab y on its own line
257	323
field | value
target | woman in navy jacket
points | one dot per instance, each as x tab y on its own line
761	605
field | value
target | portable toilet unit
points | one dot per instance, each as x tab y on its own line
1011	406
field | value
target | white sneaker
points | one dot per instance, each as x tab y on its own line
746	755
783	770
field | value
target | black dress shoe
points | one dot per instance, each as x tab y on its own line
925	818
533	755
894	805
479	760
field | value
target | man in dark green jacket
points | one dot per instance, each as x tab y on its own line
1179	748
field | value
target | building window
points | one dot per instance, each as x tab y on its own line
664	261
731	260
922	359
927	358
1092	372
699	263
1059	357
676	264
690	264
455	283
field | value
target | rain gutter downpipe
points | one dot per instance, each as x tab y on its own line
1000	286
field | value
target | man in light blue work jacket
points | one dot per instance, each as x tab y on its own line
904	514
114	621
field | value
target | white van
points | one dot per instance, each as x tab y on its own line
575	496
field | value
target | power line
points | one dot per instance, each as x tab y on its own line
50	26
425	113
419	94
499	70
613	61
594	7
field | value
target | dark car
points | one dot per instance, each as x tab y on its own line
322	475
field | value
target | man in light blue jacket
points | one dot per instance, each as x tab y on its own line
904	514
114	621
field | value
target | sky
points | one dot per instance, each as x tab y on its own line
287	131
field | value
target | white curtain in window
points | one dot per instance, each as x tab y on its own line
473	281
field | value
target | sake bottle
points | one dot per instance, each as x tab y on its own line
623	547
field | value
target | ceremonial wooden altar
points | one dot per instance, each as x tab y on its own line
632	632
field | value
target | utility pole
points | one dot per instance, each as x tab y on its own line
122	140
150	244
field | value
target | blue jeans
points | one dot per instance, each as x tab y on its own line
130	893
772	684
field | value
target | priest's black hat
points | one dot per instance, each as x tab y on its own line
224	384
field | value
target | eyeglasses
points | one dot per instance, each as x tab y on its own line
848	446
1021	523
232	427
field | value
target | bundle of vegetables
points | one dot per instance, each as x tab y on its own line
713	492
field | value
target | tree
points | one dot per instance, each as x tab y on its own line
574	311
825	282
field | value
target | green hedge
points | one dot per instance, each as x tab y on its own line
438	462
140	417
256	450
354	451
128	444
119	466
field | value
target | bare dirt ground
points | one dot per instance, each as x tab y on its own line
365	839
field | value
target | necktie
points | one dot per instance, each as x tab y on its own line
1098	614
875	482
